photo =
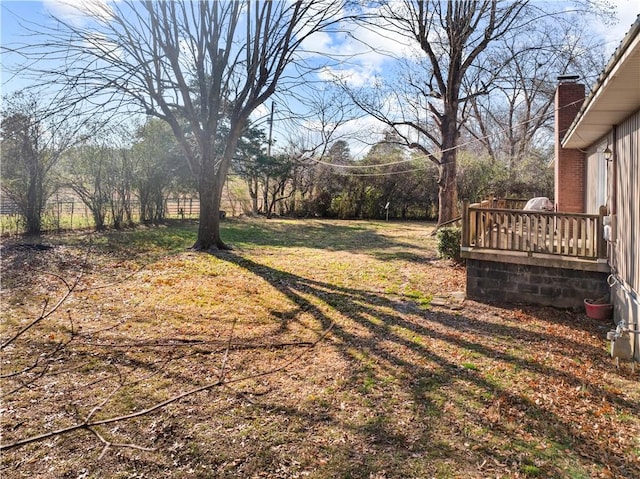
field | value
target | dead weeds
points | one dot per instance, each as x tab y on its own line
314	349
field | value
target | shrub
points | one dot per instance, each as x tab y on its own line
449	243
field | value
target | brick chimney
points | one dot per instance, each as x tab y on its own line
570	163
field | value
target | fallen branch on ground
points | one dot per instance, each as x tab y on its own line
90	425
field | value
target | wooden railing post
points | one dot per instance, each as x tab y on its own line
602	244
466	234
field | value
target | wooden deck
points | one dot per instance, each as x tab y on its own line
486	229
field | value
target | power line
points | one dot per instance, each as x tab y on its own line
440	151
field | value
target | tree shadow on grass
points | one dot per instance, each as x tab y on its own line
329	235
417	381
418	348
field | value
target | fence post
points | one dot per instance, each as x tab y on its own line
58	211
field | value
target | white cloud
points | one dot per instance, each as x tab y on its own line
319	42
77	12
356	76
359	53
261	113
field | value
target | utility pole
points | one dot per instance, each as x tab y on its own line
273	105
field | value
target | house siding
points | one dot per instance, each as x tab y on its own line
624	250
598	178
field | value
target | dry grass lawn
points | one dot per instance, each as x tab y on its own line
318	349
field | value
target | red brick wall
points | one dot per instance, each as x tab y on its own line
570	163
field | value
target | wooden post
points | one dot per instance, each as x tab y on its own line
602	243
466	234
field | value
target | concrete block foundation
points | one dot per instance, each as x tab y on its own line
492	281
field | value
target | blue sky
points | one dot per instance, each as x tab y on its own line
360	70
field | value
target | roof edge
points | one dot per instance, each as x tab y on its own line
602	79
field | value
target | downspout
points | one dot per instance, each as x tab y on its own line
614	157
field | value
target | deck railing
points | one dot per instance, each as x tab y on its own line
502	203
567	234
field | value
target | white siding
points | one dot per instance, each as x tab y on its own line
625	252
597	179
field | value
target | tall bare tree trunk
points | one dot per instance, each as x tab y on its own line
206	224
448	191
449	132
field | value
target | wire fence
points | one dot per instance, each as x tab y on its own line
63	214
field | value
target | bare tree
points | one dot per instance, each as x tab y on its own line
457	57
87	176
203	67
452	38
101	174
515	118
33	139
